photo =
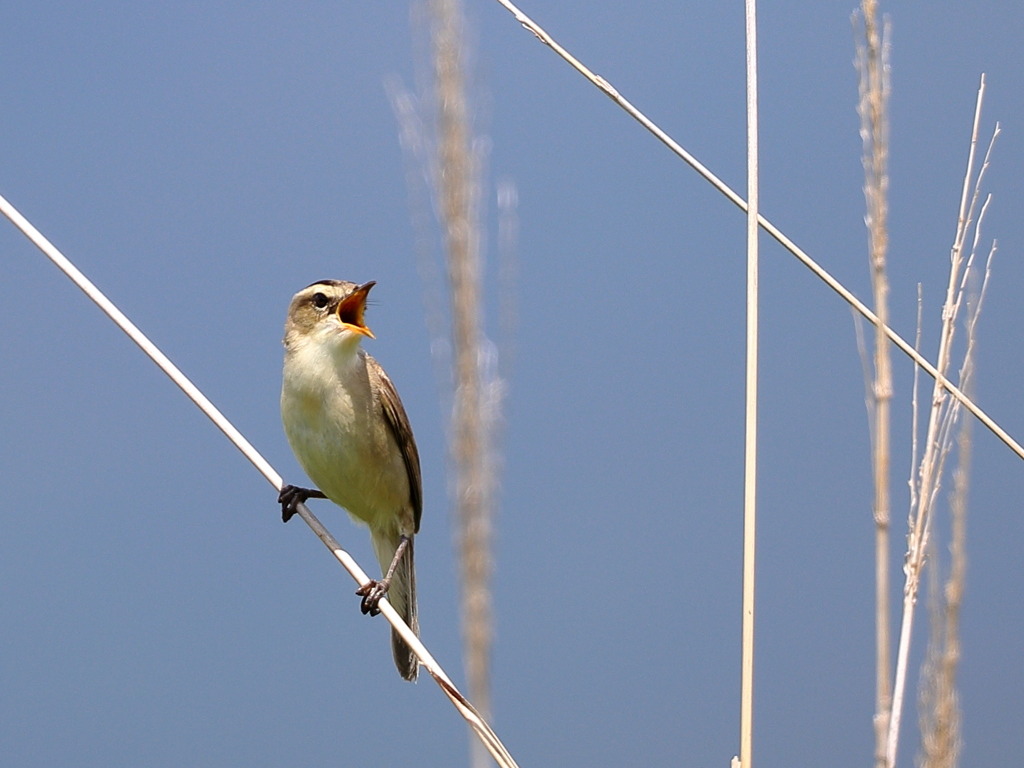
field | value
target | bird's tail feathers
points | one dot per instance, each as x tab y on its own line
402	596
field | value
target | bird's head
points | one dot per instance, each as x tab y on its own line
328	312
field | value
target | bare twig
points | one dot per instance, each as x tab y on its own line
478	723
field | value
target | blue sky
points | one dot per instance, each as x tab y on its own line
201	162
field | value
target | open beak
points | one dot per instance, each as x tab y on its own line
350	311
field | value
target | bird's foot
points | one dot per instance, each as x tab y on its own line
372	592
291	496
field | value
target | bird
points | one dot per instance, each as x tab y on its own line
350	433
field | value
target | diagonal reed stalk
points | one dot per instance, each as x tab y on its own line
873	86
944	413
844	293
476	721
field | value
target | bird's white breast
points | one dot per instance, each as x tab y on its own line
337	431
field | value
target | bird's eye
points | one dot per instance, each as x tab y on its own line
319	300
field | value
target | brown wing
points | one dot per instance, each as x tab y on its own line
398	423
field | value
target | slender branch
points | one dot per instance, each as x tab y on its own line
767	226
479	725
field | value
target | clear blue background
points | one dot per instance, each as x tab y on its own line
203	161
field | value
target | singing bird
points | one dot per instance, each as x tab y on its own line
349	431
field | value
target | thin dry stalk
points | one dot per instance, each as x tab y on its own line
943	416
457	194
873	69
750	432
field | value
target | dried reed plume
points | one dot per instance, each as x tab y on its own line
943	420
873	69
457	185
445	166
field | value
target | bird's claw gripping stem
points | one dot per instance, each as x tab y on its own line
372	592
291	496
